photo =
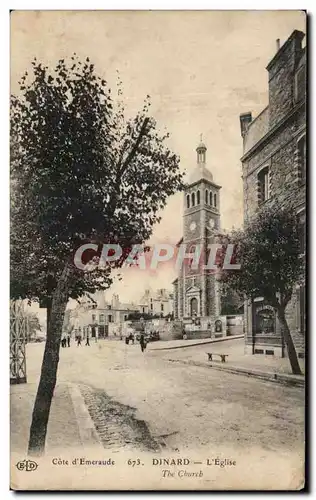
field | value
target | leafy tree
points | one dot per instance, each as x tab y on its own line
81	173
136	316
231	304
33	325
269	252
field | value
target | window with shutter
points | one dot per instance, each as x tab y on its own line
263	185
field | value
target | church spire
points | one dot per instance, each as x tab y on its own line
201	152
200	171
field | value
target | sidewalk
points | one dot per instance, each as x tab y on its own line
259	366
178	344
69	425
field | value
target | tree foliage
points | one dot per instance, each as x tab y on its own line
33	325
136	316
269	251
81	173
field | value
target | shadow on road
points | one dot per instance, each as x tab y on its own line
116	423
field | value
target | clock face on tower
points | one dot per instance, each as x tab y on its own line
192	226
211	223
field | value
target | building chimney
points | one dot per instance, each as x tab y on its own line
245	120
277	44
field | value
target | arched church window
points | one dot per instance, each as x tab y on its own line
193	199
211	198
198	197
215	201
188	201
193	307
206	197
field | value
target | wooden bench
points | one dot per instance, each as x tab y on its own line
222	356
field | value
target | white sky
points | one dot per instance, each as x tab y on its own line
201	69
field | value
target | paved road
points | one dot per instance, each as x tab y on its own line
183	406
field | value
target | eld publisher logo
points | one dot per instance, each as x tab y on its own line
27	465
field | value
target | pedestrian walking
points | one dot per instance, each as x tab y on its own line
63	340
142	341
89	331
68	339
78	339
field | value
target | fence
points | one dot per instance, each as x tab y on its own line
18	332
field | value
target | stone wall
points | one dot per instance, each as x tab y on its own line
281	77
279	154
257	129
277	148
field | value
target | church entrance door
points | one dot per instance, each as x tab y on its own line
193	307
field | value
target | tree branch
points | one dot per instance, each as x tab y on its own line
134	148
121	168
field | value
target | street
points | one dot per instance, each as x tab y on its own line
149	402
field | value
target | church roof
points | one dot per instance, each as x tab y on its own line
200	172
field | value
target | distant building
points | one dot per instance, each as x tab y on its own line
106	318
159	302
274	165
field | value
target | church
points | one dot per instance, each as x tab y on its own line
196	291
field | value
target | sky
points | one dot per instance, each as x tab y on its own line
201	69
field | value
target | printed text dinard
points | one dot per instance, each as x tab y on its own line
160	462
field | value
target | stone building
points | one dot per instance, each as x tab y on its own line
105	317
274	165
159	302
196	291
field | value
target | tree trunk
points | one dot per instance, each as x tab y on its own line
289	342
48	311
45	391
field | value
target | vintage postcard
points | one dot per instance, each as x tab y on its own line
157	307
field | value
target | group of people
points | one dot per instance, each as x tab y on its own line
78	339
65	339
141	338
129	338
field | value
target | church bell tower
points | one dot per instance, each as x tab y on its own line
198	294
